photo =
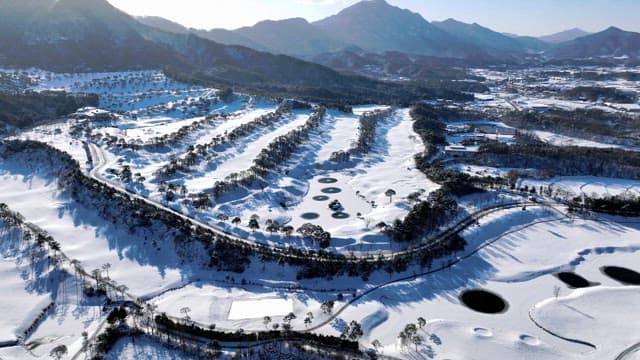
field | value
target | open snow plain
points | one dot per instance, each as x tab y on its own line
517	255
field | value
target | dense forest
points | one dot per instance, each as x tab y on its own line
430	126
561	160
27	109
584	123
618	205
335	93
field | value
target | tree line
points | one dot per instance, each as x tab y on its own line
160	142
278	152
561	160
429	124
200	151
368	126
242	337
594	124
30	108
615	205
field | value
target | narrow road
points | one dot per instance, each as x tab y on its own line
632	352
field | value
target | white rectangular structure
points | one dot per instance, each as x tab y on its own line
254	309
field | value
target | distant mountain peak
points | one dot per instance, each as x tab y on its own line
292	21
294	36
163	24
611	42
564	36
86	4
614	29
494	43
377	26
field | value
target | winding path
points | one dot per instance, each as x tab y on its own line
575	341
630	353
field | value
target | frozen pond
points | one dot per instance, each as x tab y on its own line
255	309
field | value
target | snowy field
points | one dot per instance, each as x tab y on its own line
561	140
361	184
588	185
230	306
241	158
25	297
258	309
85	236
519	267
37	295
538	90
145	349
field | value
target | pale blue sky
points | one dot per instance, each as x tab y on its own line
525	17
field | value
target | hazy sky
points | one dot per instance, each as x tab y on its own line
525	17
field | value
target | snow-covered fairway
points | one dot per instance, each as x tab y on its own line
362	183
519	267
241	158
145	349
604	316
390	165
22	298
147	163
41	300
342	135
85	236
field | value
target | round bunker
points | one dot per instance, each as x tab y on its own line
574	280
622	275
310	216
328	180
331	190
340	215
321	198
484	301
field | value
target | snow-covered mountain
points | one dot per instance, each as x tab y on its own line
563	36
375	25
491	41
612	42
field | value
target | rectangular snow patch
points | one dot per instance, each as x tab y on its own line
255	309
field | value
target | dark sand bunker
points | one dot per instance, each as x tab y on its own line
484	301
574	280
622	275
340	215
310	216
331	190
321	198
328	180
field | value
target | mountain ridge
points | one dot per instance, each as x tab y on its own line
378	26
495	43
92	35
612	42
564	36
